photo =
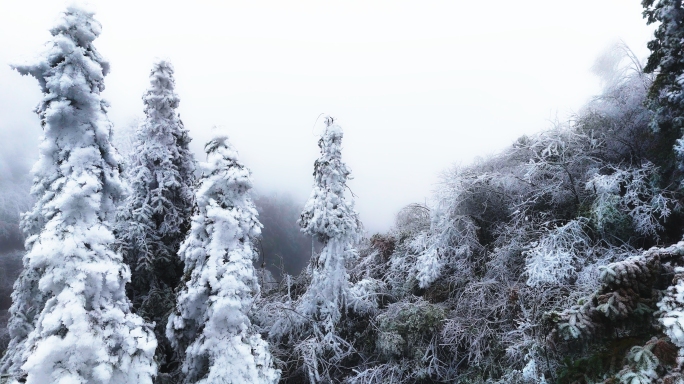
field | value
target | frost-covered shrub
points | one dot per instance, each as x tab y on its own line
642	366
577	321
627	289
618	116
404	348
385	245
625	306
452	237
557	161
404	329
528	375
555	257
322	355
631	193
672	310
412	219
364	295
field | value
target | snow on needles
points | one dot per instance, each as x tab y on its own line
155	216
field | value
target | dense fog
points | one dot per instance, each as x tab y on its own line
15	161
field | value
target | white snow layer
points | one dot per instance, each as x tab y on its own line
211	322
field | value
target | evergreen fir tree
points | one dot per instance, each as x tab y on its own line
156	215
70	319
210	327
330	217
312	332
666	96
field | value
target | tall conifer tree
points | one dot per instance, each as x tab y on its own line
70	318
156	215
210	327
330	217
666	96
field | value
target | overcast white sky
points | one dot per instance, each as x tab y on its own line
416	85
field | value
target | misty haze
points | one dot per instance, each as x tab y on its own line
341	192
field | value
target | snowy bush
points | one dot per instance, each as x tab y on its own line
631	193
558	254
412	219
406	327
672	309
363	295
452	236
642	366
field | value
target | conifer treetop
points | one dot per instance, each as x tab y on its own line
328	213
73	35
160	99
161	175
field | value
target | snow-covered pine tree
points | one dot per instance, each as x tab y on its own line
210	327
330	217
666	96
70	319
155	217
